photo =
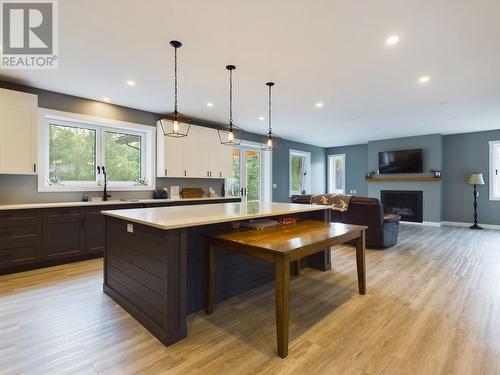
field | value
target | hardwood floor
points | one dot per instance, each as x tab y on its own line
432	307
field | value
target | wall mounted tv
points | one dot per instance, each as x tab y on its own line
403	161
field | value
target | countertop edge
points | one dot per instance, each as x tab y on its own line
306	208
28	206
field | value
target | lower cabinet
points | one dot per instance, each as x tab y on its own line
63	233
35	238
20	234
95	236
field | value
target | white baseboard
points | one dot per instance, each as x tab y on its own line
466	225
427	223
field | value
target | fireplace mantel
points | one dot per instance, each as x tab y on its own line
404	179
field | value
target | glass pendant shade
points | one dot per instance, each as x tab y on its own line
175	124
269	141
232	135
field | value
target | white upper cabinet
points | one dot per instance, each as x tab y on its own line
18	118
199	155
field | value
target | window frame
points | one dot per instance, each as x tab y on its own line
101	126
494	163
308	179
331	168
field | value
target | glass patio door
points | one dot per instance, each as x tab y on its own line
247	174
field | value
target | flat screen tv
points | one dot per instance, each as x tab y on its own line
403	161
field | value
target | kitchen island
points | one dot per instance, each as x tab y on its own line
154	262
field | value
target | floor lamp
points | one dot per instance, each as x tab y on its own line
475	179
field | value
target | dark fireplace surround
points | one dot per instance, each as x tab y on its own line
406	203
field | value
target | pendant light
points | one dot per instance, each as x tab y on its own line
175	124
270	140
232	135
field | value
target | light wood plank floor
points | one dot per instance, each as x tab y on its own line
432	307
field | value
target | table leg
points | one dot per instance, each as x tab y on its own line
210	279
360	262
282	286
296	267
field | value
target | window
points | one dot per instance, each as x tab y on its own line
495	170
72	146
336	174
300	172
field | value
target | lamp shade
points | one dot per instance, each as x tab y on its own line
475	179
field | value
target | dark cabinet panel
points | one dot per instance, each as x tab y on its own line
20	238
95	229
63	233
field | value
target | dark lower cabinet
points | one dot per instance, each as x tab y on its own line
63	233
35	238
95	231
20	238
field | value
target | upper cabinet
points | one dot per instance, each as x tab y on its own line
18	118
199	155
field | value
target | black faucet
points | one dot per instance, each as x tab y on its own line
105	194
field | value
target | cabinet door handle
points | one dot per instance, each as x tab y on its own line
34	168
220	174
166	173
185	173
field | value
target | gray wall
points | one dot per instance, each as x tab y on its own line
464	154
356	160
281	165
23	189
432	146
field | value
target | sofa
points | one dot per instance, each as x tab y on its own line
383	229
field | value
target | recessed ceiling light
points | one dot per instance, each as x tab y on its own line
392	40
424	79
319	105
262	118
106	100
131	83
209	104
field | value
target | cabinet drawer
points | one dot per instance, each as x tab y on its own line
9	218
73	212
20	233
21	255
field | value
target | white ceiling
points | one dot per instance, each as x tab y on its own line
331	51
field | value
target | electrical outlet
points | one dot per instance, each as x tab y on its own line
275	186
130	228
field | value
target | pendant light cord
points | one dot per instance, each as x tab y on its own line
270	128
175	80
231	99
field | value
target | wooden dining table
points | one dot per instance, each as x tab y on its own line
284	245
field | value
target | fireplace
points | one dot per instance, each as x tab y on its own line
406	203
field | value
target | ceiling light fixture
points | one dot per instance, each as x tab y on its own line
175	124
106	100
392	40
232	135
131	83
319	105
269	140
209	104
424	79
262	118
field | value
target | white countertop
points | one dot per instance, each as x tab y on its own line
102	203
190	216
